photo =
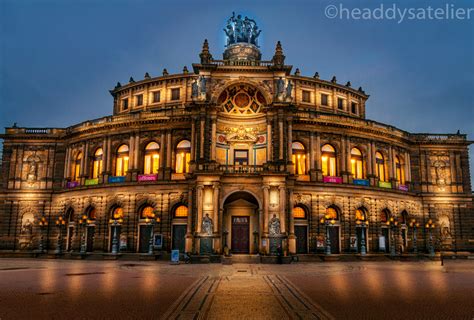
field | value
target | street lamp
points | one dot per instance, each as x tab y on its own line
60	224
150	220
117	219
414	225
83	223
43	223
328	222
392	223
362	223
430	226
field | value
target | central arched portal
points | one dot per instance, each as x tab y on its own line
241	223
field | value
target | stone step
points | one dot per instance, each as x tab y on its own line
245	258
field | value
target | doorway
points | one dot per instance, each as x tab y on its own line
144	240
240	235
301	233
179	237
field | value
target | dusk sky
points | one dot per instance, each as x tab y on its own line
59	58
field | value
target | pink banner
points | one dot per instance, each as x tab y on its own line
332	179
403	187
146	177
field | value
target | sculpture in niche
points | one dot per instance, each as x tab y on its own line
26	233
207	225
440	173
199	88
284	90
274	226
445	228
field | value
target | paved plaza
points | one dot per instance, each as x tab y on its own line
69	289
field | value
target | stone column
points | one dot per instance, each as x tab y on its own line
266	204
391	176
291	236
280	128
136	151
201	151
108	159
66	162
162	155
318	158
189	230
131	148
282	205
199	190
407	168
104	160
289	148
82	172
168	156
269	140
193	142
369	160
213	138
215	206
85	173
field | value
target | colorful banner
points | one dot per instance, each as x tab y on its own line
361	182
403	187
72	184
332	179
147	177
91	182
116	179
383	184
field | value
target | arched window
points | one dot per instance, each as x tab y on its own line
299	213
181	212
357	167
91	213
332	213
299	157
384	215
380	166
70	215
360	214
328	160
147	212
404	217
117	213
399	170
152	158
77	167
121	161
183	156
97	163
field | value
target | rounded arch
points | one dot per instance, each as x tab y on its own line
361	213
404	217
69	215
180	210
385	215
264	91
333	212
229	197
91	212
300	211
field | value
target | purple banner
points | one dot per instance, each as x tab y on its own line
403	187
72	184
147	177
332	179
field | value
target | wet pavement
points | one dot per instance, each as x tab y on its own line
68	289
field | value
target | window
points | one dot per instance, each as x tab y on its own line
340	103
399	170
97	163
328	160
181	212
354	107
125	104
70	215
306	96
357	164
360	214
77	167
139	99
117	213
175	94
121	163
299	158
156	96
299	213
380	166
91	213
152	158
384	215
183	156
331	213
324	99
147	212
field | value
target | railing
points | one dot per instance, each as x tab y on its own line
37	130
242	63
438	137
244	169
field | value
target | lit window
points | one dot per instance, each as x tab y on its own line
360	214
299	158
181	212
299	213
77	167
97	163
356	164
331	213
156	96
139	99
121	164
183	156
384	215
117	213
306	96
380	163
147	212
175	94
324	99
399	170
152	158
328	160
91	215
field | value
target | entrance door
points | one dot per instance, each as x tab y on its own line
386	234
179	237
144	242
301	233
118	229
70	233
334	237
90	238
240	235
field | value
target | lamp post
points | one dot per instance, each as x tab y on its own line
362	223
83	223
392	223
430	226
43	223
414	225
328	222
150	220
60	224
115	222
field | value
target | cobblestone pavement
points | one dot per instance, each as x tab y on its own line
66	289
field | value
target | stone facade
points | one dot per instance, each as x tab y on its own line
226	137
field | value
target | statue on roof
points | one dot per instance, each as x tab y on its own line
240	30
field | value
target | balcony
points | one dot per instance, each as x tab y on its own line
241	169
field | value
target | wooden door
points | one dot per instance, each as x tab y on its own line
386	234
179	237
301	233
240	235
334	237
90	239
144	241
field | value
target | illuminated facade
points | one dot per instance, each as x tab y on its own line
239	153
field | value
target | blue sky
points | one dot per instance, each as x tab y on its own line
58	59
